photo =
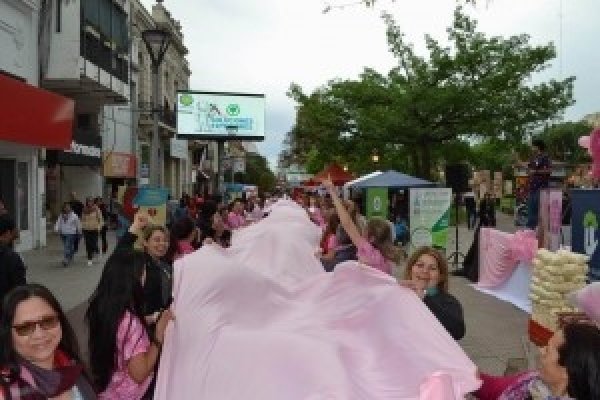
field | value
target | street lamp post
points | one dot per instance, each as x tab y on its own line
157	42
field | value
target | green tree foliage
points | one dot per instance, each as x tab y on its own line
257	173
562	141
427	107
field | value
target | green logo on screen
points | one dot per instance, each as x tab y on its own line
233	110
186	99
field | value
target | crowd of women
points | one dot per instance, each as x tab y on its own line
129	311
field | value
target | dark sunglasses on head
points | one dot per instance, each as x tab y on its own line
46	323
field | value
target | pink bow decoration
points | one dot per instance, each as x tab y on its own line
587	299
523	246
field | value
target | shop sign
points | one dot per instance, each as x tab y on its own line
178	148
119	165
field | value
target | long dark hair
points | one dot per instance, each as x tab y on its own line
119	290
580	355
8	354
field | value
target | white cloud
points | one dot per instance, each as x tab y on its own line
262	46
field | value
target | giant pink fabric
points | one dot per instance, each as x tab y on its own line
261	320
501	252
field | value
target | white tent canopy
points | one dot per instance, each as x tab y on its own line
346	187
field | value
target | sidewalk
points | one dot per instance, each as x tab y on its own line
72	284
495	329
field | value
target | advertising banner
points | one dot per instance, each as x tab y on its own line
225	116
429	217
154	202
585	228
550	220
377	202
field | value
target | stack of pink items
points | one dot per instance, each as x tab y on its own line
262	321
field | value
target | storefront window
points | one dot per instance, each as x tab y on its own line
23	195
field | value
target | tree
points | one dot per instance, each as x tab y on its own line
478	87
561	140
257	173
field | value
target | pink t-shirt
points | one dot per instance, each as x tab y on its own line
132	340
372	257
331	243
183	247
235	220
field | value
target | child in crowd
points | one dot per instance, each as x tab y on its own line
375	247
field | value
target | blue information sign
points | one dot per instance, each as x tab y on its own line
585	226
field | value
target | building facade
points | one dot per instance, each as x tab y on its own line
84	55
175	155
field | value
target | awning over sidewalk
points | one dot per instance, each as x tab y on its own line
33	116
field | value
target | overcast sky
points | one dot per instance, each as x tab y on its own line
261	46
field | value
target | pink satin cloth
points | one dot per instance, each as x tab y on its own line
587	299
501	252
262	320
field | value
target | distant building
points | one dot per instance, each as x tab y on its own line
593	119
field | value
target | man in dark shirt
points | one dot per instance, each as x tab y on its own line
77	207
540	169
12	269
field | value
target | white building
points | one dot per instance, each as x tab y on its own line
31	119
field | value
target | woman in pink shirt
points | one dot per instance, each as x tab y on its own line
375	247
123	352
236	218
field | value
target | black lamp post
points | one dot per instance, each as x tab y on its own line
157	42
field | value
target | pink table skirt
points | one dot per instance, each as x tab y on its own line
501	252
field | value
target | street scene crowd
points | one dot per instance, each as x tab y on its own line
428	229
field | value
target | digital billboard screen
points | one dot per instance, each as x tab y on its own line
221	116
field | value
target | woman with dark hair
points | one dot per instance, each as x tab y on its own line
155	242
427	274
91	225
328	239
39	356
569	369
217	232
123	352
182	239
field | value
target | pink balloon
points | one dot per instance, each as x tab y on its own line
584	141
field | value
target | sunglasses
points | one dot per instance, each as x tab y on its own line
46	323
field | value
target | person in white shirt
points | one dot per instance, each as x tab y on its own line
68	226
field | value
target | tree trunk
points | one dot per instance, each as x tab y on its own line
425	155
414	158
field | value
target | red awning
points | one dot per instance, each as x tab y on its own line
337	174
33	116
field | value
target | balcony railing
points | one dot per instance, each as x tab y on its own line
95	50
166	116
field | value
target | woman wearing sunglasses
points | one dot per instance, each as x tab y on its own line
39	357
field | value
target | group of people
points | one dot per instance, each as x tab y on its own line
129	311
77	220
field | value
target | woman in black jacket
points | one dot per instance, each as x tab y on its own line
427	274
159	282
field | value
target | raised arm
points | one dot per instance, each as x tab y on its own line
345	218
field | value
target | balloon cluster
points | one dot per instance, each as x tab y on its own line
591	142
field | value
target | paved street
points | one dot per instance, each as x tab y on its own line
495	330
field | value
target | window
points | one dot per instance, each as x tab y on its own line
23	195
